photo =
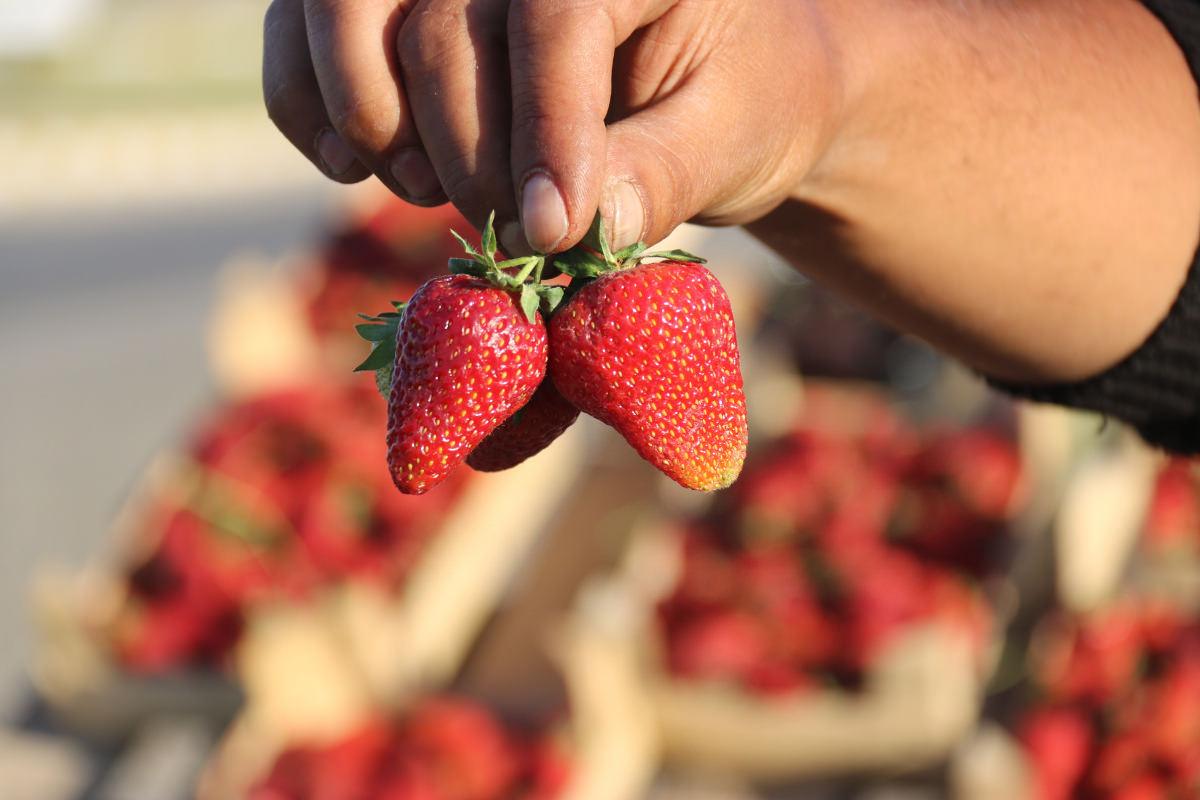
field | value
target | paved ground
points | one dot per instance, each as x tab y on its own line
102	321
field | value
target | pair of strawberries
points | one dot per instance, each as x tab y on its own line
490	364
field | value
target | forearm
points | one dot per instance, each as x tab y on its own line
1018	182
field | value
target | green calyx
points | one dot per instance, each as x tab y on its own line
520	276
380	331
594	256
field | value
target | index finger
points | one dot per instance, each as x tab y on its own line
352	44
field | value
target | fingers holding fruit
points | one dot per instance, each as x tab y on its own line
651	112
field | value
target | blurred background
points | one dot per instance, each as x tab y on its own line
136	161
917	589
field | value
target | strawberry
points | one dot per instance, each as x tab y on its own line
1174	516
549	768
650	349
465	748
981	468
466	359
469	350
1059	743
526	433
726	645
1145	787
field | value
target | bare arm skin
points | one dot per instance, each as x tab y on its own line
1017	181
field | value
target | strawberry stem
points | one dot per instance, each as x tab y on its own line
514	263
527	270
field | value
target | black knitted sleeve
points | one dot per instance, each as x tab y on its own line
1156	389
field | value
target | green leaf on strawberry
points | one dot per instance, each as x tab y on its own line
381	355
383	379
381	333
521	276
373	333
467	266
674	255
551	297
530	302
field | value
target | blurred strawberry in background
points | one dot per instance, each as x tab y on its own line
1116	709
445	748
835	539
278	495
379	254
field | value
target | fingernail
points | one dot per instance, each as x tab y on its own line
629	217
334	153
414	174
543	213
512	240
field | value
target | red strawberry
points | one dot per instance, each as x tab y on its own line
1145	787
550	769
458	360
1090	661
651	350
708	578
1174	515
982	469
467	750
411	779
466	359
723	645
1059	742
526	433
1176	710
1117	760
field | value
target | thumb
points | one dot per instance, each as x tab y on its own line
671	163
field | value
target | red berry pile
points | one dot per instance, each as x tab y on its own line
444	749
1118	709
489	365
282	494
830	544
1173	521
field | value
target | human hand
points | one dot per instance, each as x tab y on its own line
655	112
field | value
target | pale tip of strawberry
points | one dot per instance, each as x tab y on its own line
725	478
714	482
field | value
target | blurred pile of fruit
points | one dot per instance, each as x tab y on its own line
1168	559
444	748
382	255
277	496
1117	709
285	491
832	542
